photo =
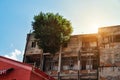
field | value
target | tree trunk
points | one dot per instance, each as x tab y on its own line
59	62
42	61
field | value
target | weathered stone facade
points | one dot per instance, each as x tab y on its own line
85	57
109	46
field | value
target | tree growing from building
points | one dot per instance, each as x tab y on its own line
51	31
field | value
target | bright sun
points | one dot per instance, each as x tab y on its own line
94	28
95	23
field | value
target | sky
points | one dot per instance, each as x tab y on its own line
86	16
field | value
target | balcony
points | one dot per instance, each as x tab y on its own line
33	51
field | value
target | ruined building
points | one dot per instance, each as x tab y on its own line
85	57
109	46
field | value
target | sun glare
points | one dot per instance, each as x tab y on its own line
95	28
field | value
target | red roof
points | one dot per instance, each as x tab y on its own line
15	70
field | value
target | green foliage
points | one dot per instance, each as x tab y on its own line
51	31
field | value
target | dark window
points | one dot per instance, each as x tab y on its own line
65	45
71	67
33	44
95	64
83	65
116	38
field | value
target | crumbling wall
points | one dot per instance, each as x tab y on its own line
31	46
109	73
109	48
110	56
